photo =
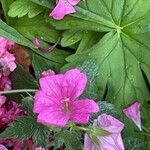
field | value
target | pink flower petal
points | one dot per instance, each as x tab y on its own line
82	109
53	117
109	123
3	43
42	101
133	112
88	144
2	100
113	142
74	83
51	85
63	8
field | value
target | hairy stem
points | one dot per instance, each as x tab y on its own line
18	91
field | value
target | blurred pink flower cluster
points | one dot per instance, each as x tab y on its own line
7	63
9	110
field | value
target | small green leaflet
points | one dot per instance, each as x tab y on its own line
20	8
40	64
45	3
11	34
26	127
35	27
71	139
27	105
70	37
136	144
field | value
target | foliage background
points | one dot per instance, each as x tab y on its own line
109	40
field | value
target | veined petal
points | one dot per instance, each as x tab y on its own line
74	83
82	109
53	117
42	101
110	123
112	142
51	85
88	144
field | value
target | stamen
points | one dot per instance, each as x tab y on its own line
65	105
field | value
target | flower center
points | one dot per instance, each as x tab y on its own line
65	105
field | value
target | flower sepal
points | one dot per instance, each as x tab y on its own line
97	131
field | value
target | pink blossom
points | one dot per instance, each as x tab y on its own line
133	112
9	61
2	100
5	45
3	147
5	83
63	8
57	100
110	142
8	112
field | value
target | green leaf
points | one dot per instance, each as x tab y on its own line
20	8
136	144
45	3
22	79
70	37
24	128
40	64
71	140
27	105
122	52
5	7
89	38
11	34
35	27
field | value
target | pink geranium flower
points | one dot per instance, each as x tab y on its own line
133	112
63	8
8	113
110	142
57	100
2	100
